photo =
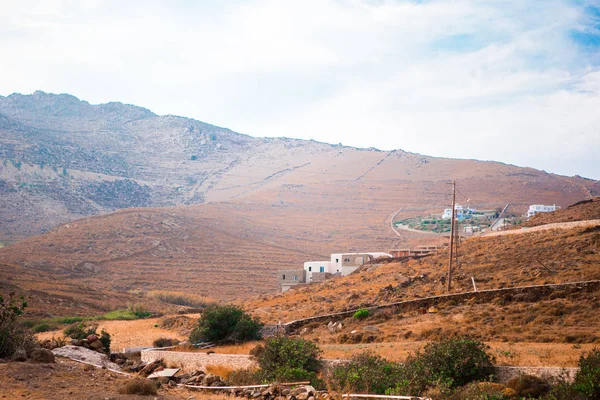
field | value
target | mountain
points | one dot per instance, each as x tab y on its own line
206	209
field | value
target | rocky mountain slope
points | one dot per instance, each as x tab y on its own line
63	159
205	209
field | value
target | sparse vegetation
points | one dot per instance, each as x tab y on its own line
165	342
182	299
361	314
226	323
12	334
142	387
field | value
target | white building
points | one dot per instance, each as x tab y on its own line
538	208
311	267
340	263
448	212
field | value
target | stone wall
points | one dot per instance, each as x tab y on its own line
523	294
189	361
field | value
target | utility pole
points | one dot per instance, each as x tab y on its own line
451	236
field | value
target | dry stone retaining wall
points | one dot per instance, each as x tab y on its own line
539	291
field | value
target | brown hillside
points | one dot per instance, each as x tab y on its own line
543	257
580	211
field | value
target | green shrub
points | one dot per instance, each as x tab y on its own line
364	373
43	327
226	323
78	331
105	340
587	380
361	314
282	358
12	335
447	363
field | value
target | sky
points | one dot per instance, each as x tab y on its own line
515	81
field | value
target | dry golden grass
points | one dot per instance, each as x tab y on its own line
244	348
182	298
523	354
220	370
142	332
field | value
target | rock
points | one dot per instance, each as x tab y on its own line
96	345
92	338
302	396
255	394
77	342
19	355
3	361
150	368
218	383
371	328
172	384
285	392
42	355
209	379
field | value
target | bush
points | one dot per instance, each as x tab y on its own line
105	340
226	323
12	335
283	359
78	331
361	314
139	386
43	327
364	373
165	342
447	363
587	380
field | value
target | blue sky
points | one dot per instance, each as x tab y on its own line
515	81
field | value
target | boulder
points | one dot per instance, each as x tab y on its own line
96	345
150	368
42	355
92	338
19	355
77	342
209	379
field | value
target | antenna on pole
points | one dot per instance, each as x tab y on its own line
452	227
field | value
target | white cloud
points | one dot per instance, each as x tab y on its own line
489	79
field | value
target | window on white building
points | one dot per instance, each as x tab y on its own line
321	269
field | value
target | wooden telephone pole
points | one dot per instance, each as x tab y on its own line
452	227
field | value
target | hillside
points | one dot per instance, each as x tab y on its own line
63	159
204	209
519	259
582	210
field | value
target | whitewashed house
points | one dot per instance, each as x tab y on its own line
340	263
538	208
447	214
